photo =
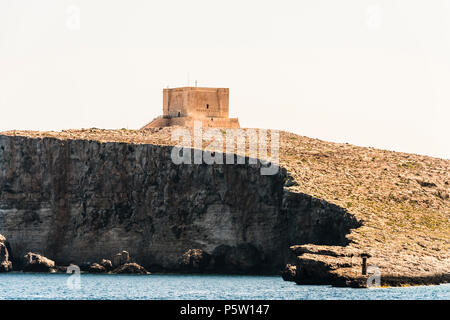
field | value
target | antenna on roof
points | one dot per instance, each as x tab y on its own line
195	83
188	83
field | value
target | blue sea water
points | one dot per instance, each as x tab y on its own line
158	286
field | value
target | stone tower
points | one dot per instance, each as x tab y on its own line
182	106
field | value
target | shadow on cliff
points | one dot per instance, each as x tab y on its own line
312	220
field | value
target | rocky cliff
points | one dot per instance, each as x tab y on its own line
83	195
81	200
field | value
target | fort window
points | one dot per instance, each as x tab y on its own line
207	106
179	113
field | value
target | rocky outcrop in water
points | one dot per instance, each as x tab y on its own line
106	264
122	264
130	268
120	258
195	260
34	262
348	267
289	272
5	264
96	268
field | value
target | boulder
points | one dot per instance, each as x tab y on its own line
125	256
96	268
288	274
121	258
5	264
107	264
36	263
195	260
130	268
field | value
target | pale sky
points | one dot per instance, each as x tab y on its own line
366	72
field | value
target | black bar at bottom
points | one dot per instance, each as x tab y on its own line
225	309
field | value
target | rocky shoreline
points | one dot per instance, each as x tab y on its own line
337	266
192	261
348	267
36	263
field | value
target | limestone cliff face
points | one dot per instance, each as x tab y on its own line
81	201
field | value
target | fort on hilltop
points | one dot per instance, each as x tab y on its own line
182	106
